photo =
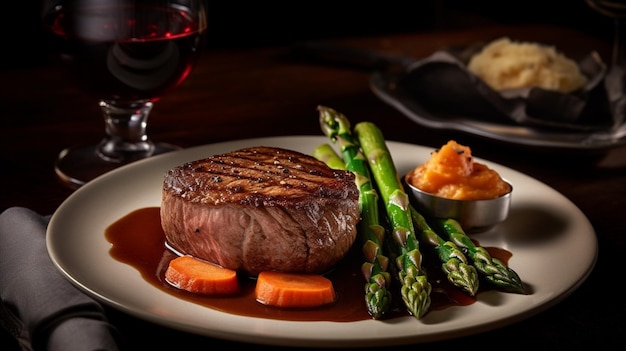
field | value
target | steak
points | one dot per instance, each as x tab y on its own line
261	209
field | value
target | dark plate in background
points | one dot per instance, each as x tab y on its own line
389	88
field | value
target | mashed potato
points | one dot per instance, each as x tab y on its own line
504	64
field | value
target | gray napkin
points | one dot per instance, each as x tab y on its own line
40	307
443	84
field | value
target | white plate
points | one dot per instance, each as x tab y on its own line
543	231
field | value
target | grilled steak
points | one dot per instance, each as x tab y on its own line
261	208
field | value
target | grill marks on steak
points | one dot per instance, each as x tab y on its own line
261	208
256	176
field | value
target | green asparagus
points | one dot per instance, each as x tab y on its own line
492	269
377	294
453	262
416	288
326	154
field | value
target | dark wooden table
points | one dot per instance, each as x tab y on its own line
235	94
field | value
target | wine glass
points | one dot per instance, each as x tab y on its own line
126	54
614	81
616	9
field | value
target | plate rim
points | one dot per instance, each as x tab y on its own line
275	337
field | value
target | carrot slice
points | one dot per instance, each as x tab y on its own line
200	277
293	290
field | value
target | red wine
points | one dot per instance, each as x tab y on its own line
124	53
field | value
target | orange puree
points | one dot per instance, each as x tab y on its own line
452	173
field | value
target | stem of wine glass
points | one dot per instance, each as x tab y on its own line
618	43
125	127
614	81
126	141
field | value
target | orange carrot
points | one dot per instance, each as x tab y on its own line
293	290
196	276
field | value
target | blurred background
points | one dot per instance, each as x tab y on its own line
234	24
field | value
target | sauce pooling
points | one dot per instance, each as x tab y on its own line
138	240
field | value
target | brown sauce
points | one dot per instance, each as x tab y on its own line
139	241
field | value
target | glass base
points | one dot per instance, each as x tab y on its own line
78	165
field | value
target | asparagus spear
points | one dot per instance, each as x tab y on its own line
493	270
415	290
327	154
377	295
453	262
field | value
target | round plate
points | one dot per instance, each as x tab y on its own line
542	232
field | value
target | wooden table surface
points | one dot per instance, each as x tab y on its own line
244	93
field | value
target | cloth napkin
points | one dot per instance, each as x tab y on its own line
40	307
443	85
